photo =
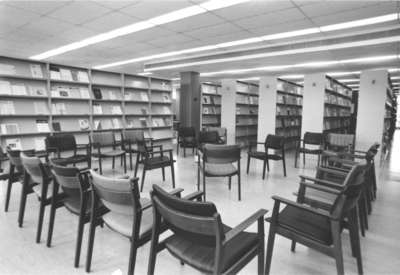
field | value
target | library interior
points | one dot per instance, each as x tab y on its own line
199	136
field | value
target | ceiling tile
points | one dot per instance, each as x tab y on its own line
326	8
211	31
195	22
76	33
271	18
152	33
78	12
170	40
284	27
117	4
15	17
40	7
110	21
47	25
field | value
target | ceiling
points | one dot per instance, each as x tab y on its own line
31	27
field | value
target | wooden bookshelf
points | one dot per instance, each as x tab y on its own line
210	105
79	101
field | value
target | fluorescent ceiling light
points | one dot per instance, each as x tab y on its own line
395	77
145	73
349	80
257	39
139	26
287	52
343	73
306	65
292	76
353	85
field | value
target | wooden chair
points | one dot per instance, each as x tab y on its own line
273	142
313	139
317	228
200	239
155	157
74	184
37	178
336	145
127	213
222	133
186	139
207	137
4	173
217	161
62	143
101	140
134	143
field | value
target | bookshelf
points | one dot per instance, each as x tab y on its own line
39	99
239	113
210	105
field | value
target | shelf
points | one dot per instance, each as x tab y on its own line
163	138
70	98
69	82
337	117
287	93
26	134
161	127
70	115
24	96
33	116
211	94
246	114
136	101
106	85
247	94
137	115
336	105
106	115
160	102
137	88
108	130
161	114
211	114
72	132
287	127
288	116
22	77
289	105
337	94
211	104
160	90
246	125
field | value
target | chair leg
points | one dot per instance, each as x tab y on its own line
40	220
353	220
198	177
22	205
319	160
304	159
173	175
248	163
239	187
143	176
267	165
89	254
100	166
51	223
132	258
113	162
81	225
204	186
284	166
296	156
293	246
229	182
261	248
270	248
123	159
163	173
184	152
153	253
337	247
137	163
264	165
8	195
130	160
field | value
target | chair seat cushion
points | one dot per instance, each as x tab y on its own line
157	161
70	160
113	153
306	223
319	198
216	169
202	257
310	151
258	155
123	223
329	153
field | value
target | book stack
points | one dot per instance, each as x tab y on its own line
42	126
9	129
7	107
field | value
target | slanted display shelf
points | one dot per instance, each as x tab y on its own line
246	113
39	99
210	105
338	107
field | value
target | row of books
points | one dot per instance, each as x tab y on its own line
246	121
288	111
211	100
98	109
70	91
214	120
287	99
334	86
9	69
246	131
16	144
143	84
288	132
287	122
211	111
246	99
210	89
68	75
246	111
289	88
246	88
339	112
341	123
21	89
332	99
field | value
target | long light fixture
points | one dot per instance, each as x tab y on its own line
142	25
257	39
344	45
370	59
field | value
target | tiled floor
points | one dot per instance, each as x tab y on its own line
19	254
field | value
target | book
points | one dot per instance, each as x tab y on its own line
59	108
9	128
66	74
7	107
56	126
7	69
36	70
206	99
97	125
116	110
84	92
5	88
14	143
63	92
166	98
83	76
74	75
97	109
84	124
106	124
37	91
166	110
39	144
143	122
97	93
111	95
116	124
74	92
18	89
144	96
55	73
206	111
144	110
42	125
41	108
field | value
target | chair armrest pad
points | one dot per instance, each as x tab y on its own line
303	207
82	146
161	151
245	224
332	171
320	188
176	191
194	195
323	182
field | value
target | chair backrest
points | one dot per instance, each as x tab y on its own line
187	132
136	138
103	139
60	142
220	130
198	222
219	154
274	142
118	195
313	138
340	141
70	180
14	157
34	168
208	137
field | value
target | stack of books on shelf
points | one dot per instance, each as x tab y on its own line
116	110
68	75
97	109
84	124
41	108
59	108
42	125
70	92
9	128
14	143
7	69
7	107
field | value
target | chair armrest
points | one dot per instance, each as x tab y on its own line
340	169
332	171
174	192
245	224
84	170
303	207
323	182
194	195
81	146
320	188
161	151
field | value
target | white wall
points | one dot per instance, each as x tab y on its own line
267	107
228	108
313	103
371	108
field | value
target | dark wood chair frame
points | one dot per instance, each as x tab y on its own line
212	226
183	133
128	147
309	139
